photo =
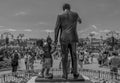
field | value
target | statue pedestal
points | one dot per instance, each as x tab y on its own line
58	78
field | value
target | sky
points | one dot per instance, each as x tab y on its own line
35	18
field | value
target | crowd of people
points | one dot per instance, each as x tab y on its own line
68	50
48	53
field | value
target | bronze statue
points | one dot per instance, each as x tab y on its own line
66	25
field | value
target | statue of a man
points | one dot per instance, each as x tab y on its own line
66	25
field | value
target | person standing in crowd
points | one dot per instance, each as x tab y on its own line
91	57
100	59
66	25
31	61
105	58
81	59
27	60
14	60
114	63
86	58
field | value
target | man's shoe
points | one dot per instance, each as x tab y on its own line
71	71
49	76
76	76
65	77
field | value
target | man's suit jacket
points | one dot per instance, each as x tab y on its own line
66	25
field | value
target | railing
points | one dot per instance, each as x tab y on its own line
24	76
15	77
100	75
4	65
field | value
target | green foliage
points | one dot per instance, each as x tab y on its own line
111	41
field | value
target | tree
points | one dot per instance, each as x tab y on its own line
112	40
19	38
91	34
39	43
49	39
7	36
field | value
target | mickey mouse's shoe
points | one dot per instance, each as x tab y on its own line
49	76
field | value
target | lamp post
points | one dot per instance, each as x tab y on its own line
91	37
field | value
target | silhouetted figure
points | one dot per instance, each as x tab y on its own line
66	25
7	40
15	57
114	64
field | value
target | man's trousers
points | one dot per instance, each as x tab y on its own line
67	47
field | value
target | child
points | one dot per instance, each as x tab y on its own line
27	60
14	61
47	60
114	64
81	59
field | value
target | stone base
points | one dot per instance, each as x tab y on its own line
70	79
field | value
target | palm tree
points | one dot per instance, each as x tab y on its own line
20	37
101	38
7	36
112	39
113	34
91	36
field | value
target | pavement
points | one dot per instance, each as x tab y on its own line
58	78
37	65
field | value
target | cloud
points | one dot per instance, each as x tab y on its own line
2	29
2	26
118	31
8	30
11	29
104	31
42	23
48	31
85	30
28	30
114	13
21	13
94	32
94	26
81	31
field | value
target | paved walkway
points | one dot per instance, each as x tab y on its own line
95	66
37	65
32	80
